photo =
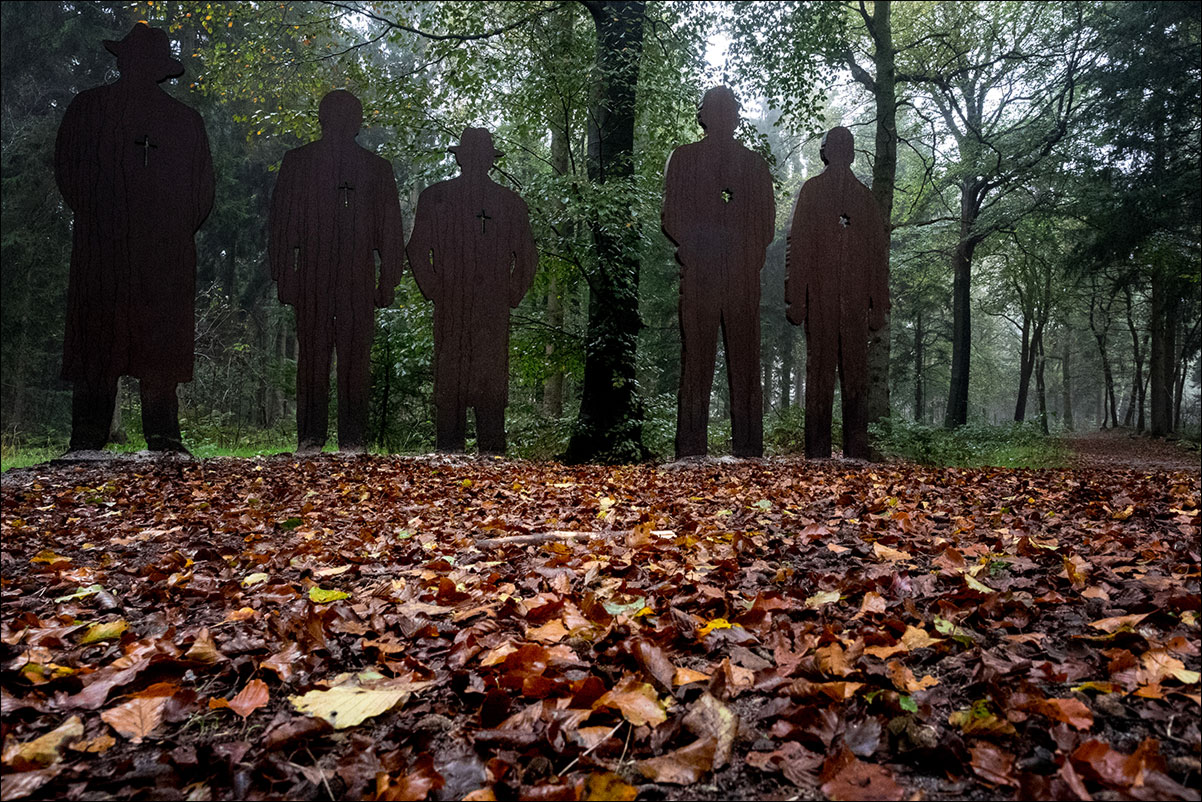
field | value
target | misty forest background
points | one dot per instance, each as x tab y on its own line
1039	163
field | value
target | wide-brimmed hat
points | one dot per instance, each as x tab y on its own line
151	47
476	139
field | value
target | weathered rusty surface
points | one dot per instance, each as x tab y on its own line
837	286
133	164
472	253
719	211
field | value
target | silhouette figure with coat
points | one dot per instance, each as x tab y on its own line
473	254
335	207
837	285
719	211
133	164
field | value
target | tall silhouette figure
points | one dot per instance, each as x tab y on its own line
335	207
719	211
836	283
473	255
133	164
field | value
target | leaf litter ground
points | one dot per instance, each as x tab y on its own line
433	628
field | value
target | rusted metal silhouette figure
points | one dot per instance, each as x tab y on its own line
473	255
837	285
335	206
133	164
719	211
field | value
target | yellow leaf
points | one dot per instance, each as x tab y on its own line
351	704
255	579
323	596
109	631
43	751
717	623
977	585
49	557
823	597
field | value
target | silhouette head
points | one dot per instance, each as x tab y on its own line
838	147
475	152
719	112
340	114
145	52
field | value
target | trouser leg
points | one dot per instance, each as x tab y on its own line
853	378
451	427
313	347
741	340
821	354
490	426
92	413
698	347
160	415
354	382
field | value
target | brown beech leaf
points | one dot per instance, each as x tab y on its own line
846	777
204	648
992	764
637	701
683	766
137	718
707	717
1071	711
283	662
412	785
799	765
247	701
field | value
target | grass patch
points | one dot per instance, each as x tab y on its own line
1014	445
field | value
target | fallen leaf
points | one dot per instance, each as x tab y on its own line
351	704
892	555
822	597
846	777
137	718
248	700
43	751
993	765
637	701
106	631
709	718
684	676
684	766
1112	625
551	632
608	786
319	595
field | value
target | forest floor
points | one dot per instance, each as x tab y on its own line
450	628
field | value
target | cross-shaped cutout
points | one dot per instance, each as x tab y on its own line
346	188
146	145
844	220
727	195
484	218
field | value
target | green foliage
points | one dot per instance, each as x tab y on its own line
974	445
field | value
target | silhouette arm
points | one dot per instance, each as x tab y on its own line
671	221
418	251
796	289
525	257
67	157
206	183
390	239
282	225
767	202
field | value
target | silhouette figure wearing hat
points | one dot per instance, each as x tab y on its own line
473	255
719	211
335	207
837	284
133	164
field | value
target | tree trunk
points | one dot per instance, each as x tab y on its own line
957	395
884	169
1066	380
767	374
1138	359
1026	363
1161	357
117	424
609	427
561	164
1040	385
920	400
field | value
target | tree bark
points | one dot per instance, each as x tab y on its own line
884	170
1026	363
920	401
957	395
1066	380
609	426
1161	356
1040	385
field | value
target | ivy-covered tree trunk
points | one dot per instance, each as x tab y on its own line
609	428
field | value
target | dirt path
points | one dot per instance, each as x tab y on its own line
1121	448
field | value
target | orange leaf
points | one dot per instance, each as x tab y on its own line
248	700
1070	711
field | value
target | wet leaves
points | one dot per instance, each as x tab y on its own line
459	629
